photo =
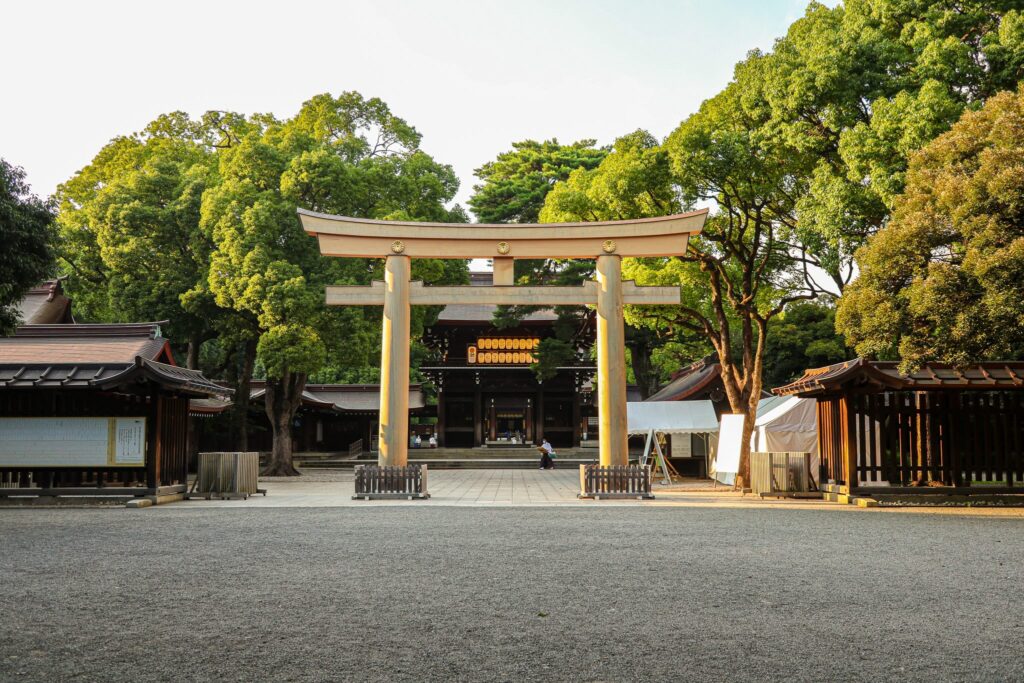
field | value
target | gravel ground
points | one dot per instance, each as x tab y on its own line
501	594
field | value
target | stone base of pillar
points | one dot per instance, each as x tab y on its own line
617	481
377	482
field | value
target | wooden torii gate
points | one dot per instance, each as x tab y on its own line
399	242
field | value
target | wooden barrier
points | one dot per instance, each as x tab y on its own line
617	481
376	481
781	473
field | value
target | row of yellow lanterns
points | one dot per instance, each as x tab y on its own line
506	343
512	357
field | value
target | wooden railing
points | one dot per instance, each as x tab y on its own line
375	481
617	481
355	449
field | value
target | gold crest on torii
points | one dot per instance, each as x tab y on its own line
399	241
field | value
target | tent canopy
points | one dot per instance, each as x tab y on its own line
792	414
671	417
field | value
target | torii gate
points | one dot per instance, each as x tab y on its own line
399	242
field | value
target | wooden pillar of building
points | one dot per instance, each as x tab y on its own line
394	364
576	419
492	421
440	418
478	418
539	429
613	443
529	419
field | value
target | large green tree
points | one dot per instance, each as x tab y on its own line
742	271
514	185
853	90
944	280
27	236
348	155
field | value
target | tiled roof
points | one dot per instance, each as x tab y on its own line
95	357
688	381
45	304
991	375
340	398
84	344
106	376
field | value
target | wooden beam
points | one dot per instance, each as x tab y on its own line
422	295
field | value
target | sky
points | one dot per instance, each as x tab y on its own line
471	76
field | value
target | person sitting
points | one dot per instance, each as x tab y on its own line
546	455
433	441
417	442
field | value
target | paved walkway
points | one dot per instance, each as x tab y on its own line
518	488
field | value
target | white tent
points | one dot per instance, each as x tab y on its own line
651	418
789	426
671	417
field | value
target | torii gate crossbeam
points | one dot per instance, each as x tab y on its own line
398	242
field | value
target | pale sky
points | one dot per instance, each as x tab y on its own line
471	76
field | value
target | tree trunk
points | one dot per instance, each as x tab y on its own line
283	398
240	418
640	354
192	359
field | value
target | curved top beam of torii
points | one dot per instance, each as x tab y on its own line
365	238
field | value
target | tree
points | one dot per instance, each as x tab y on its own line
130	226
853	91
944	280
27	236
515	184
347	155
741	271
802	336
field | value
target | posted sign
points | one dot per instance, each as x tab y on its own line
72	441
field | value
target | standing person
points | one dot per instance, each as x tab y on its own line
546	453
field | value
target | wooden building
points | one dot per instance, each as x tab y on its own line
487	393
941	429
94	409
332	418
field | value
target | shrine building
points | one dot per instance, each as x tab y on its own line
487	393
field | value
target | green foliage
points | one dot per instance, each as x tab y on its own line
345	155
944	280
852	91
27	236
802	336
129	222
552	353
516	183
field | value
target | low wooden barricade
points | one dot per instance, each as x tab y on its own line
375	481
227	475
617	481
781	473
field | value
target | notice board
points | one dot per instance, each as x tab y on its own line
72	441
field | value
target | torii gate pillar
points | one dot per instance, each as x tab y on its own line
613	439
394	364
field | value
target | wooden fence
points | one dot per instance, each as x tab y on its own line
375	481
933	440
617	481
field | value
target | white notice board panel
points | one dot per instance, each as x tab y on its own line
730	438
72	441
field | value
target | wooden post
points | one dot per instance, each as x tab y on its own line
478	418
611	363
492	422
394	364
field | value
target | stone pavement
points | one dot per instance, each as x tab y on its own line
503	488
